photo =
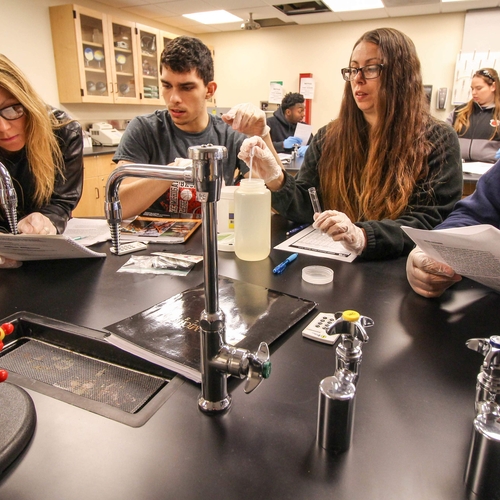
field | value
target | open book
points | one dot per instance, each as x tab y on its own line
168	334
23	247
154	230
472	251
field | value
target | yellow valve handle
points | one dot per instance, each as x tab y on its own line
351	316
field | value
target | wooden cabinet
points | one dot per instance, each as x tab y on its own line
150	47
97	57
96	172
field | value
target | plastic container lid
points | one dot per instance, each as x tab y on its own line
225	242
317	275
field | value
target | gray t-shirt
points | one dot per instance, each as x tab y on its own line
154	139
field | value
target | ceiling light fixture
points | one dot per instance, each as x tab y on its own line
213	17
348	5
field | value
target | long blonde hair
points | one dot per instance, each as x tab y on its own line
371	174
42	149
462	119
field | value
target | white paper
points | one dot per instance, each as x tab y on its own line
48	247
476	167
307	88
472	251
88	231
312	241
275	92
303	131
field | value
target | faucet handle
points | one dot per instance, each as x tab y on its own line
351	324
259	367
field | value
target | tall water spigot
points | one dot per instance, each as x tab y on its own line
112	204
218	359
481	473
8	198
337	393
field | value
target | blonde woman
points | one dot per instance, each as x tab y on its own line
42	150
383	163
478	121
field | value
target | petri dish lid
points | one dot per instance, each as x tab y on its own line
225	242
317	275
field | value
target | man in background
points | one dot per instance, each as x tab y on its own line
284	122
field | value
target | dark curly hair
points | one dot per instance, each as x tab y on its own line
184	53
291	99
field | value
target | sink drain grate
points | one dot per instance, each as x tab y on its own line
82	375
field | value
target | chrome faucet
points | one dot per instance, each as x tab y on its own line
337	393
481	473
218	359
8	198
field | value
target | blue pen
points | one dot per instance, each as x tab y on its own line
295	230
281	267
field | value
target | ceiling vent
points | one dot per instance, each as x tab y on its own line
299	8
250	24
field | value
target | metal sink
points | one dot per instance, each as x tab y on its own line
76	365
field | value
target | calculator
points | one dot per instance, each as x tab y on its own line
317	329
133	246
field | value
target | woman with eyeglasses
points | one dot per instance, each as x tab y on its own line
42	150
383	163
478	121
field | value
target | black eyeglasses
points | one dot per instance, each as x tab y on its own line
485	73
369	72
12	112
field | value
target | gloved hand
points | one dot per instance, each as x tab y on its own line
264	164
290	141
497	155
340	228
427	276
302	151
36	223
248	119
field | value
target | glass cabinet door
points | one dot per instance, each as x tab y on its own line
124	63
149	63
94	53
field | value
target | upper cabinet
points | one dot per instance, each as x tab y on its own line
100	59
149	42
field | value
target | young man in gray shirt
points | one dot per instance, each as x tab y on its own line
163	136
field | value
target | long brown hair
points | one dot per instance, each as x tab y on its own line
371	174
42	149
462	123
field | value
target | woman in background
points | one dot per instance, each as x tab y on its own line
478	121
383	163
42	149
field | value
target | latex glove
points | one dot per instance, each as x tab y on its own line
340	228
290	141
427	276
36	223
247	119
9	264
302	151
497	155
264	164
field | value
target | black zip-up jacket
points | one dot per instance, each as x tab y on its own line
476	143
67	188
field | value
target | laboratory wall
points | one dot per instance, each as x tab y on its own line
245	61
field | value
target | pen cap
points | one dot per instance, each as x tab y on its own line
252	220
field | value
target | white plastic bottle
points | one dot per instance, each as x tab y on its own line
252	220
